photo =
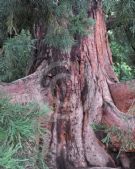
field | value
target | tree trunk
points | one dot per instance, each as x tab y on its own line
78	87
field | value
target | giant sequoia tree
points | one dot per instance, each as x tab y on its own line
79	84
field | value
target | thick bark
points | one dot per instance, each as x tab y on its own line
80	88
24	90
123	95
79	98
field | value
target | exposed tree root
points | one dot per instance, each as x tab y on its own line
113	116
21	90
124	122
123	95
27	89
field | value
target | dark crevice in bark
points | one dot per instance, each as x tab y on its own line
84	92
61	164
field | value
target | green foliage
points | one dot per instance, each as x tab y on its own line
124	71
123	137
6	158
120	15
60	38
64	23
66	19
16	55
121	52
3	16
62	20
122	9
109	5
19	129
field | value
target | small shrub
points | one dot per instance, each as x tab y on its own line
13	62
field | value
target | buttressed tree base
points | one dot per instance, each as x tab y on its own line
80	86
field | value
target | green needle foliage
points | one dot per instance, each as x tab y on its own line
62	20
63	23
123	137
120	21
16	55
19	129
121	52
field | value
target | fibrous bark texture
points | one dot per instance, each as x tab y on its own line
82	89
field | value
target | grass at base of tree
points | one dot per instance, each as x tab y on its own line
19	128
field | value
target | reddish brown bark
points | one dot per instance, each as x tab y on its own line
123	95
80	88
